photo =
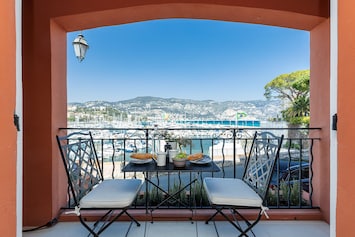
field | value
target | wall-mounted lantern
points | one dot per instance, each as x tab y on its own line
80	46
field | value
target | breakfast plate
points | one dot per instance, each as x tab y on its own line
140	161
204	160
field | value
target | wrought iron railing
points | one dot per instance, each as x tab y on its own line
291	185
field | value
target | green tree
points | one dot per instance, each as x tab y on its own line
293	90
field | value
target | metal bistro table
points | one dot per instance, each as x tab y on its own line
148	168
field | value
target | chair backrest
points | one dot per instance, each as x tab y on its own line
260	163
81	164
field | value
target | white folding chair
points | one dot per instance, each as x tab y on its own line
87	186
250	191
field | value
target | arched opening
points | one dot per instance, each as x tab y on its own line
45	75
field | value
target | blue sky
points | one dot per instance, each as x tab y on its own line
182	58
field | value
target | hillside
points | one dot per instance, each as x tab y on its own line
153	108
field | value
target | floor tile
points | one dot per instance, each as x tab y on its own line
171	229
189	229
206	230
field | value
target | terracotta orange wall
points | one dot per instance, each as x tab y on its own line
44	82
301	14
346	115
37	161
7	128
44	71
319	85
59	111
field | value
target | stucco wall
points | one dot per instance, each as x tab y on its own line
7	128
346	115
319	86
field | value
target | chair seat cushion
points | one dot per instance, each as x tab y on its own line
231	192
115	193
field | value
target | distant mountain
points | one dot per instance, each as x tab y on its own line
149	107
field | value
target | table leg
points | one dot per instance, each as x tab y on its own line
146	192
169	196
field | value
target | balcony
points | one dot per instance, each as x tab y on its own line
227	147
289	199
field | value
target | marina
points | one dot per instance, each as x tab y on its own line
212	137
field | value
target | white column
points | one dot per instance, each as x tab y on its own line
333	110
18	111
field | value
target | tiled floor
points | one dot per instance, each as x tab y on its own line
189	229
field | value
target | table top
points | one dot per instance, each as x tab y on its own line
152	167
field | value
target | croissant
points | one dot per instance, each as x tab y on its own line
142	156
195	156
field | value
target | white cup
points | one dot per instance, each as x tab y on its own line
172	155
161	158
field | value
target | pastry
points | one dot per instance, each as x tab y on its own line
142	156
195	156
